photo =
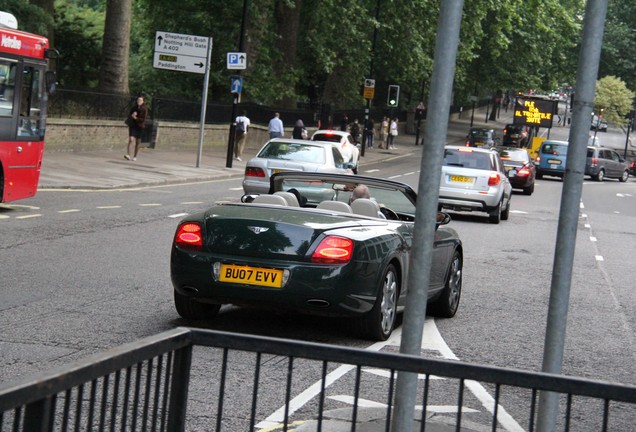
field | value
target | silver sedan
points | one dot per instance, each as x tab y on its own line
281	154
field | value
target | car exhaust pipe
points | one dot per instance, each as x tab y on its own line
190	289
318	303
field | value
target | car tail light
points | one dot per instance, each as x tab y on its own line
494	179
189	236
523	171
594	161
254	172
465	150
333	250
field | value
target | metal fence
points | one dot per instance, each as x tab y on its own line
190	379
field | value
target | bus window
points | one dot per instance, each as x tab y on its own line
30	98
7	82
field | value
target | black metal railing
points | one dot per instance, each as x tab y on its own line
190	379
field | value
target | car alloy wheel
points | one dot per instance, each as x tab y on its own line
625	176
378	324
447	303
601	175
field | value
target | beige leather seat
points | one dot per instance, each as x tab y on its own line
335	206
291	199
365	207
270	199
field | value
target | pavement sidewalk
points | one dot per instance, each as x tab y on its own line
109	169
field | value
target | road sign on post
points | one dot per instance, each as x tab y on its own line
181	52
236	60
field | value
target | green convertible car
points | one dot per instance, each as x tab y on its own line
310	247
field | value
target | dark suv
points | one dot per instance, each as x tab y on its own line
604	162
515	135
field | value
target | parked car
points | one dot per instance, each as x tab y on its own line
598	123
551	158
515	135
328	258
284	154
474	179
604	162
481	137
519	168
347	146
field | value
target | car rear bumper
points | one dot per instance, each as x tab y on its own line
469	204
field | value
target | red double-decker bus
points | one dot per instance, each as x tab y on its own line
24	86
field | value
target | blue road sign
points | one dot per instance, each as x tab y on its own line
236	84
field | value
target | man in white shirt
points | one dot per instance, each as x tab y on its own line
275	128
242	125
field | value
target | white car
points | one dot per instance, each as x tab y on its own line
348	149
286	154
474	179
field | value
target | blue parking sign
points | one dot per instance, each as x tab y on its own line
236	84
236	60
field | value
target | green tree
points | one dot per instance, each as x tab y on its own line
614	98
113	74
617	54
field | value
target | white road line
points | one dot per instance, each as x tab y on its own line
4	217
371	170
387	374
29	216
191	202
592	239
599	257
17	206
518	211
395	176
431	340
365	403
108	207
178	215
69	211
150	205
587	226
236	188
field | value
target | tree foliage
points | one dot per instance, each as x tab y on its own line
614	98
320	52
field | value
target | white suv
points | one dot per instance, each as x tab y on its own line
474	179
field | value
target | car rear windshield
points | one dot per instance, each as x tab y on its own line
554	149
293	151
514	155
467	159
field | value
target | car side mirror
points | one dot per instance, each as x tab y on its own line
442	219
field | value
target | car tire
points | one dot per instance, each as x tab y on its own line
379	323
446	305
600	176
624	177
495	215
506	213
191	309
528	190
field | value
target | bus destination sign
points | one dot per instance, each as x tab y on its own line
531	111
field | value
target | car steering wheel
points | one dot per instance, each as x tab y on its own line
389	214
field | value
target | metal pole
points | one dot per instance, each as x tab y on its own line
204	102
366	111
569	211
629	126
237	96
439	101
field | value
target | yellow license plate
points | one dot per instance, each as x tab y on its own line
461	179
276	171
251	275
554	162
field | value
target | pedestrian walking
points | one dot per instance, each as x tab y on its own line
136	122
355	131
344	124
393	132
370	132
299	131
242	125
384	132
275	128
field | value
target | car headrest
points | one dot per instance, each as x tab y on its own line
365	207
270	199
291	199
335	206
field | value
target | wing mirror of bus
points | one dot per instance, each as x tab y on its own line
51	81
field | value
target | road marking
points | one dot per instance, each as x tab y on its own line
587	226
395	176
592	239
191	202
410	173
108	207
387	374
365	403
620	195
4	217
371	170
69	211
178	215
518	211
150	205
29	216
599	257
236	188
19	206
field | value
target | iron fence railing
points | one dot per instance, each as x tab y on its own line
190	379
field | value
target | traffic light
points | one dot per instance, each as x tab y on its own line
393	96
